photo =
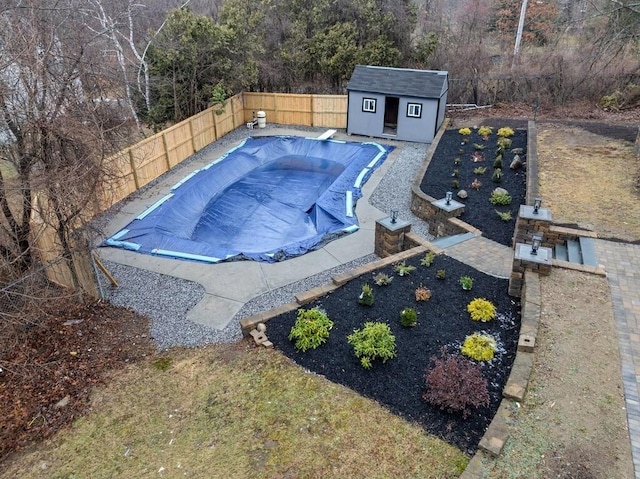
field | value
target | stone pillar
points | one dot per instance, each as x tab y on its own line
440	219
525	260
390	236
530	223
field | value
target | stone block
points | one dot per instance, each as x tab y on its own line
516	387
497	433
526	343
315	293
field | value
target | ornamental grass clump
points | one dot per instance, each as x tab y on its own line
500	198
311	329
427	261
481	309
382	279
455	384
479	347
374	341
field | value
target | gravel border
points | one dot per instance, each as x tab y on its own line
166	300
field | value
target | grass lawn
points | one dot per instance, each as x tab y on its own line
236	411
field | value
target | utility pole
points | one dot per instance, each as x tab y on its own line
516	48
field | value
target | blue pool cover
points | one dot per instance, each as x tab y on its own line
268	199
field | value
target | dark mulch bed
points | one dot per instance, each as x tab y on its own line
478	212
51	361
443	321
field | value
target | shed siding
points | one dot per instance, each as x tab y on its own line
417	129
365	123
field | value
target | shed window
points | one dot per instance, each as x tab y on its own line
414	110
369	105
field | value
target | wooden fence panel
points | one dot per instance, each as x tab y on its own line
148	160
237	107
203	129
122	181
255	102
293	110
178	142
329	111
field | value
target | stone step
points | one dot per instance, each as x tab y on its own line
446	241
588	249
573	248
560	252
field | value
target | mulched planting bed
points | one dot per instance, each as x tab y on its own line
478	212
442	321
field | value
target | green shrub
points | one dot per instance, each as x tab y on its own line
366	296
485	131
455	184
441	274
408	317
505	132
481	309
496	177
402	269
464	131
373	341
466	282
428	259
382	279
504	144
500	198
479	147
479	347
455	173
455	384
311	329
480	170
456	161
497	163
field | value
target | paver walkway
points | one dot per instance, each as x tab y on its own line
622	264
484	255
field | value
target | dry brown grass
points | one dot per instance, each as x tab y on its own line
590	180
237	412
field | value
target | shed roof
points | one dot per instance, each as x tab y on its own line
398	81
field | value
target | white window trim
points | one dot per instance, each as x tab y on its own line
411	110
369	105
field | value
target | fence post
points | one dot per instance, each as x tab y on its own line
193	138
133	169
166	149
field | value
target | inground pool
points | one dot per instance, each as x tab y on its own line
268	199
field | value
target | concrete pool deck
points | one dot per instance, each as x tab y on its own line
229	285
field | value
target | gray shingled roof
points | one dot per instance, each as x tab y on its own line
398	81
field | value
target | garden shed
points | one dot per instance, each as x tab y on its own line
398	103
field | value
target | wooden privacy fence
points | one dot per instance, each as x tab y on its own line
291	109
138	165
143	162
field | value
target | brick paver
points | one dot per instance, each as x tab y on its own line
622	264
484	255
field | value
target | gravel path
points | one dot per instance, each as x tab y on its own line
166	300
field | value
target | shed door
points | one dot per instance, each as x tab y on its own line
391	104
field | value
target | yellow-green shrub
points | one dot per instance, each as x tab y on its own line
464	131
481	309
311	329
479	347
485	130
505	132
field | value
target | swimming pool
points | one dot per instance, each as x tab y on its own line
268	199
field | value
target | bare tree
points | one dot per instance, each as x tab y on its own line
55	132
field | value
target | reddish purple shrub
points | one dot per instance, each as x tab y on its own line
455	384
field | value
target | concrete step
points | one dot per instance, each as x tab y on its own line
560	252
446	241
573	248
588	249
